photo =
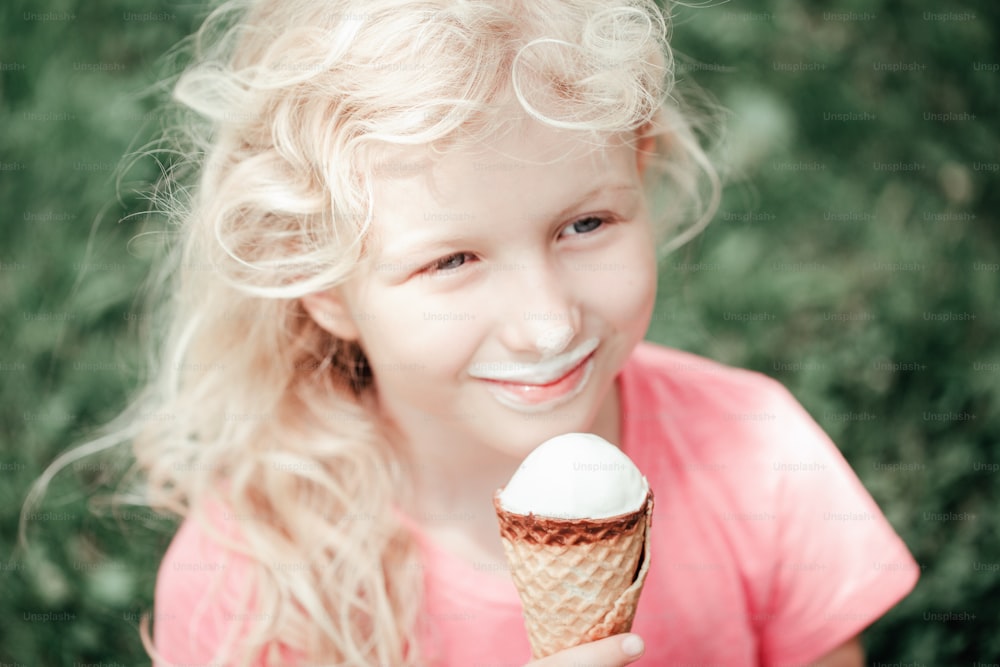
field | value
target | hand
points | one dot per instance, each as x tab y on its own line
615	651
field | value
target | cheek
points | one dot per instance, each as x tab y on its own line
405	331
636	291
627	288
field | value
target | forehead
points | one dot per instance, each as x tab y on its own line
525	155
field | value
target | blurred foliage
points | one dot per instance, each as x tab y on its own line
855	258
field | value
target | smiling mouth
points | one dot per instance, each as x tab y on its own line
542	373
545	385
534	397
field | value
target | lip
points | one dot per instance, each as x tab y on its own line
546	372
534	398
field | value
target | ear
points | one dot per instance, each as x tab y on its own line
330	311
645	149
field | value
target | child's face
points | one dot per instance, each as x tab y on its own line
502	290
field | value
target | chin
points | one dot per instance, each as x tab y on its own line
523	432
517	433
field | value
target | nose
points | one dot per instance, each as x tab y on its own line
553	341
544	317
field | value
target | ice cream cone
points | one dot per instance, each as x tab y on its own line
579	579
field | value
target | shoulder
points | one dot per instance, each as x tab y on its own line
203	588
725	426
747	472
699	398
654	371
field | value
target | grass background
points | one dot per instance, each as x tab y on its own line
855	258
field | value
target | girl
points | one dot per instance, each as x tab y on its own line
422	241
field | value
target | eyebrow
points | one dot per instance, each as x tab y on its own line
600	188
429	244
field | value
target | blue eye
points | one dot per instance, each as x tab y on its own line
451	262
584	226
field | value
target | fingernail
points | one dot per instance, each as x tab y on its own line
633	645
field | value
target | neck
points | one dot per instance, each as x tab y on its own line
454	483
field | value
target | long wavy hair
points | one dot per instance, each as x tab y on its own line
289	111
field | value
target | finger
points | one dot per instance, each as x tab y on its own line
615	651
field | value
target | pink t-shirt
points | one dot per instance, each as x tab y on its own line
766	549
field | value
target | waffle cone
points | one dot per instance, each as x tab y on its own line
579	579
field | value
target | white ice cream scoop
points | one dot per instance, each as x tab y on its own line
575	476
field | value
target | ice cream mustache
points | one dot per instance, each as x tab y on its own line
575	525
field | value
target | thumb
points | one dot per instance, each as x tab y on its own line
615	651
